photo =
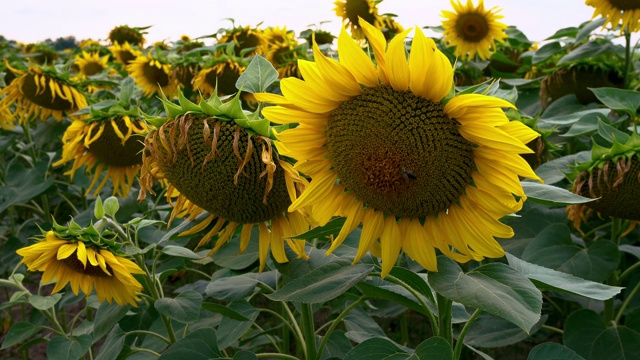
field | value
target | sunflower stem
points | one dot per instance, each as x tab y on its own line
613	279
335	323
427	309
309	331
457	351
627	58
626	302
444	318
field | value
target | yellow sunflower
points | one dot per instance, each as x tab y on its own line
387	147
7	119
90	64
247	40
224	74
278	35
105	143
473	29
152	74
85	266
352	10
217	160
41	92
125	53
616	12
284	57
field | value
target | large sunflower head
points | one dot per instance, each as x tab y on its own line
124	34
152	74
112	140
125	53
217	159
618	12
87	260
388	146
352	10
246	40
40	92
223	74
613	176
577	79
89	64
473	29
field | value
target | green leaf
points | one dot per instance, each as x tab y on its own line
180	251
231	330
551	195
553	351
184	308
244	355
224	311
112	345
107	316
617	342
376	349
548	279
98	209
377	288
581	328
587	50
490	331
111	206
332	227
495	288
570	32
228	256
257	76
360	326
570	118
553	249
435	348
554	171
20	332
200	344
611	134
44	302
588	28
587	124
324	283
23	184
65	349
618	99
235	287
545	52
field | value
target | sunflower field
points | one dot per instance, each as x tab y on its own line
394	191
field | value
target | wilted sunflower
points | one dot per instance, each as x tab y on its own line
387	147
105	141
613	176
223	73
124	53
217	160
577	79
473	30
152	73
85	264
124	34
89	64
40	92
41	53
247	40
626	12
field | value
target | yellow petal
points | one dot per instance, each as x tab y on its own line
379	44
356	60
396	62
391	243
336	74
66	250
372	227
282	115
493	138
319	186
82	253
459	105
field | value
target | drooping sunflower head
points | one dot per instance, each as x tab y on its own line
152	73
352	10
88	43
110	141
124	34
321	37
89	64
388	146
184	72
278	35
186	44
125	53
284	57
246	40
613	176
472	29
87	260
40	92
618	12
41	53
217	159
577	79
223	74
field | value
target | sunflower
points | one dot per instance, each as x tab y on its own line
223	74
41	53
40	92
107	140
473	30
390	27
90	64
578	79
88	43
617	11
351	10
7	119
284	57
613	176
86	266
247	40
387	147
217	160
321	37
124	53
152	73
124	34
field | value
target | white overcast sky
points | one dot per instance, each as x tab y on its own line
37	20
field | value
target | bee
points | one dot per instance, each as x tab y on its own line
408	174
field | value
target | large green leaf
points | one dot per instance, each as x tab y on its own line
201	344
548	279
180	251
23	184
618	342
184	308
257	76
107	316
377	288
553	249
238	287
60	348
231	330
113	344
44	302
435	348
20	332
323	283
545	52
587	50
495	288
553	351
554	171
490	331
551	195
618	99
581	328
229	257
376	349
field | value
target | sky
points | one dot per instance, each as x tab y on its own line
37	20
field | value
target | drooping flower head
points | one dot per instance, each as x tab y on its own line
153	73
222	73
41	54
40	92
613	176
125	34
618	12
246	40
352	10
86	260
216	159
472	29
388	147
112	140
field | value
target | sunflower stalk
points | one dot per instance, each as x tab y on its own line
309	331
457	351
609	304
444	318
335	323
